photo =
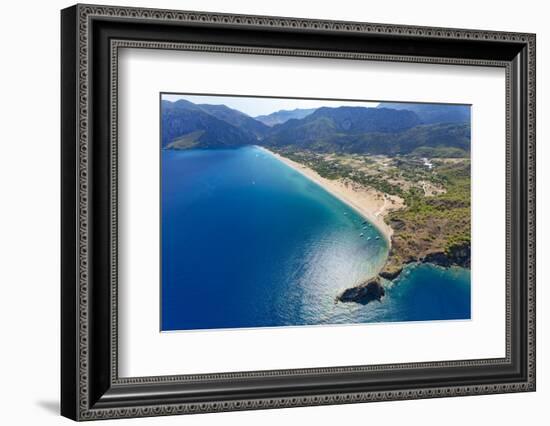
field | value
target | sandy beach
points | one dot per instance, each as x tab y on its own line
373	205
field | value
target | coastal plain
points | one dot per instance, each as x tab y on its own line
421	205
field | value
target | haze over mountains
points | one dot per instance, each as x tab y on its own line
390	128
433	113
279	117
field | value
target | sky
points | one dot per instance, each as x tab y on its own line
263	106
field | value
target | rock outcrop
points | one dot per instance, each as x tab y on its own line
369	291
391	274
458	255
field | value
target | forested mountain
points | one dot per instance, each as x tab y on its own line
332	126
433	113
237	119
422	129
185	125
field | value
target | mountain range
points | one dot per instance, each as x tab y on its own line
390	128
433	113
279	117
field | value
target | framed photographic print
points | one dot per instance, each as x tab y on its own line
263	212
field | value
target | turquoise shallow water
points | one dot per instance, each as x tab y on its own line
249	242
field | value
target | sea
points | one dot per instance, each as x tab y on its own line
247	241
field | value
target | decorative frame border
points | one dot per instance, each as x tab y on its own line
85	14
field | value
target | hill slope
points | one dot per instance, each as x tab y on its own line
186	125
326	126
433	113
388	131
371	131
237	119
284	115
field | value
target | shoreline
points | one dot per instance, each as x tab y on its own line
363	203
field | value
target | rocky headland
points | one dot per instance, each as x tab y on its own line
369	291
373	289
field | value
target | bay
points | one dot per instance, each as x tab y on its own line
249	242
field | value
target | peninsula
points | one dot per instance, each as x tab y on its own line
420	205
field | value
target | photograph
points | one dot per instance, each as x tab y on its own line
282	212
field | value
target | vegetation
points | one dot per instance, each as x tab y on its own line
373	131
440	152
182	121
188	141
345	130
337	168
434	225
434	113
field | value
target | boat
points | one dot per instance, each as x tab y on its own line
377	238
361	234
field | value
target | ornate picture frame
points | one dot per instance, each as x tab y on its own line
91	37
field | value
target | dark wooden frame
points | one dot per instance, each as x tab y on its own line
91	37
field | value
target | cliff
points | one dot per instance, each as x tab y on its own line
455	255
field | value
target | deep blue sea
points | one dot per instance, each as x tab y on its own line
249	242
